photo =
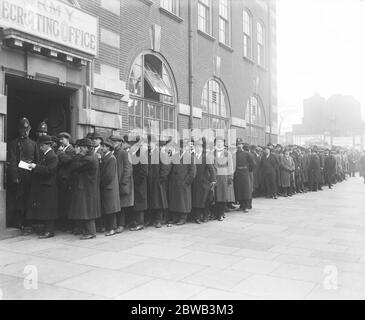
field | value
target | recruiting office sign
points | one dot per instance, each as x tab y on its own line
52	20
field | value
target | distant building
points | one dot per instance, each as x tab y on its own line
335	121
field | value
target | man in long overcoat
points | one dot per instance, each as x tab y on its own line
362	165
125	179
268	165
158	173
43	192
85	189
139	155
256	171
315	171
109	187
204	181
287	168
65	154
19	180
329	168
242	181
223	163
182	174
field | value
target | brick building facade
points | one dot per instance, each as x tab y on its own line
117	65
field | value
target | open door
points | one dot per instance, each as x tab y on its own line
3	112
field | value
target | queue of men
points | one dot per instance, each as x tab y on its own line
107	185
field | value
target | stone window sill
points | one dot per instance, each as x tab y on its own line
227	47
206	35
171	15
148	2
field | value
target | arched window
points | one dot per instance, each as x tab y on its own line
214	106
247	32
256	122
152	95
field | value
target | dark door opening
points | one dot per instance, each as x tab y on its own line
37	101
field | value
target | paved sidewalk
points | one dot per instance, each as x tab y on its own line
293	248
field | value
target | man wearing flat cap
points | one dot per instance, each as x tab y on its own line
20	149
85	189
66	153
42	205
109	188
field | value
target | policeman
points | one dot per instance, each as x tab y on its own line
20	149
42	129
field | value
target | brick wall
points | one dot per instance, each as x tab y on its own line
132	24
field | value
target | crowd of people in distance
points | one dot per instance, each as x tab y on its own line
106	185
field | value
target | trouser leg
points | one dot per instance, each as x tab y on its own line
121	217
198	213
49	226
157	215
110	221
89	227
100	223
219	209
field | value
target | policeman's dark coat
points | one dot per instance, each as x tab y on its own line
109	185
63	179
224	171
205	175
158	173
243	183
183	171
85	187
140	174
19	149
42	204
125	178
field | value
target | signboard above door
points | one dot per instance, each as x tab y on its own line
52	20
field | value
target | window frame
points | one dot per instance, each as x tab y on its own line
208	16
165	105
261	43
210	115
247	37
172	6
227	22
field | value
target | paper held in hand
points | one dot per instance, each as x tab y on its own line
24	165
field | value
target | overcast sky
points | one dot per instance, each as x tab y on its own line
321	48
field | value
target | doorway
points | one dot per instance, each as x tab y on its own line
37	101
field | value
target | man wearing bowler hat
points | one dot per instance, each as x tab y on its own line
20	149
42	205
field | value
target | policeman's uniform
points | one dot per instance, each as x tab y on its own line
20	149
